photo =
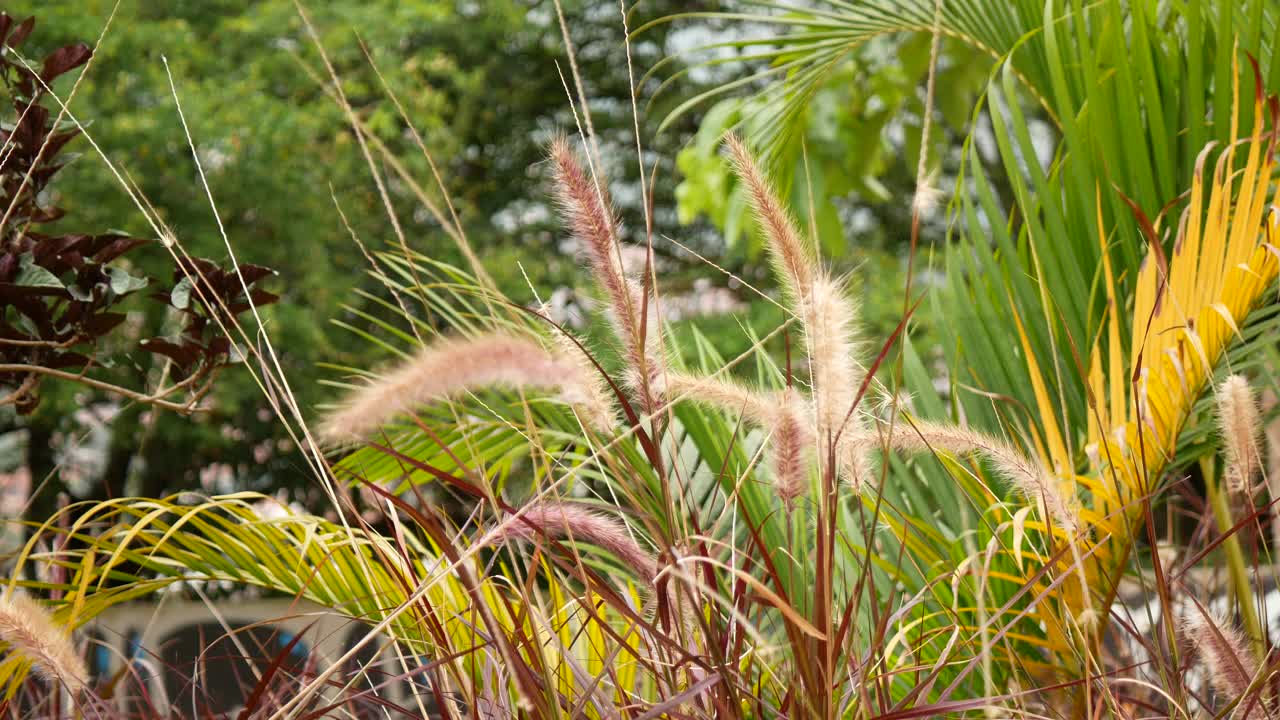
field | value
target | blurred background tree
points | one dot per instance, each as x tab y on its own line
481	82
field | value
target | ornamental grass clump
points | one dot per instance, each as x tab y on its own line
620	528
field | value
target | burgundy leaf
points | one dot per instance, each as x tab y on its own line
66	360
117	246
196	267
6	22
259	297
103	323
183	355
65	59
47	215
58	141
19	35
254	273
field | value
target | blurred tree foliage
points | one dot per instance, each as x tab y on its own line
479	80
848	158
482	82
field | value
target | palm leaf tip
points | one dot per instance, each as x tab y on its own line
32	633
1240	426
1185	316
452	367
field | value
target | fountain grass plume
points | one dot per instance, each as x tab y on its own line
587	210
1230	665
824	307
791	437
558	520
758	407
32	633
1240	425
1028	477
591	395
783	414
789	250
454	366
829	317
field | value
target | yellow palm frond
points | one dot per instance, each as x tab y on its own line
1147	370
1184	318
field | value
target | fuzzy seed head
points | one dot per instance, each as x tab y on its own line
791	441
787	247
560	520
829	324
587	211
1240	425
757	407
783	414
591	395
1221	648
1029	478
452	367
31	632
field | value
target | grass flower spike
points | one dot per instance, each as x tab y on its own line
29	630
1028	477
451	367
575	522
823	307
1231	667
587	211
1240	426
783	414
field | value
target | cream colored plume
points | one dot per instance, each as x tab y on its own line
829	318
1029	478
591	394
827	312
30	632
788	249
1240	425
455	366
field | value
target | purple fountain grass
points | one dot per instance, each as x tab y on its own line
1230	665
33	634
1240	426
587	210
783	414
454	366
829	318
827	312
791	438
758	407
555	519
591	396
1028	477
789	250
